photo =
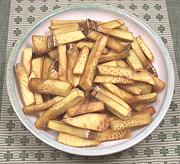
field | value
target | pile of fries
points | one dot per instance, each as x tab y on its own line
90	81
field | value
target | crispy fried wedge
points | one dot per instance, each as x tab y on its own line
112	24
42	106
88	44
112	55
37	66
39	44
111	63
54	87
74	97
85	107
139	53
122	63
65	128
113	106
89	72
62	62
121	34
149	109
46	66
26	60
145	87
139	119
81	61
145	48
113	79
110	135
91	121
134	61
60	22
146	98
159	84
143	76
69	37
118	92
139	107
94	35
27	95
131	89
76	141
53	54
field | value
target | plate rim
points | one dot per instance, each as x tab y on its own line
86	151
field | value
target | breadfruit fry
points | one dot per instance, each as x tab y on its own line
26	60
65	128
81	61
125	28
76	141
110	135
134	61
27	95
110	63
42	106
121	34
85	107
94	35
53	54
72	55
62	62
54	87
46	65
63	28
149	109
112	24
145	87
118	92
113	106
139	119
37	66
112	55
55	22
89	72
91	121
143	76
146	98
113	79
145	48
159	84
69	37
88	44
122	63
139	107
74	97
139	53
39	44
131	89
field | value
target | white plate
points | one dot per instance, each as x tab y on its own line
162	64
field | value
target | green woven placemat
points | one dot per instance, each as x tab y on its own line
18	145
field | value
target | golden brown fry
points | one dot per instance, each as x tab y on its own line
76	141
125	28
63	28
88	44
53	54
146	98
26	60
69	37
42	106
150	110
110	63
112	55
60	107
55	22
62	62
37	66
94	35
110	135
145	48
46	65
143	76
112	24
139	107
118	92
145	87
124	35
39	44
139	119
89	72
134	61
122	63
81	61
113	106
54	87
91	121
131	89
159	84
27	95
139	53
113	79
65	128
85	107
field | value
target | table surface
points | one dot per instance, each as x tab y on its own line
173	8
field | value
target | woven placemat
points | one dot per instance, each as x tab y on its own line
18	145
